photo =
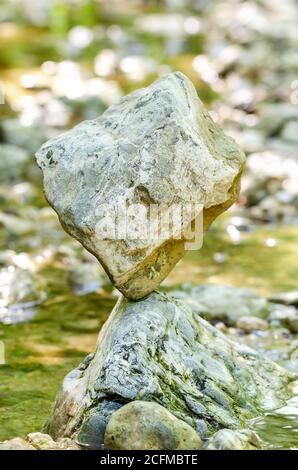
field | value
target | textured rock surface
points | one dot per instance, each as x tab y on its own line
20	293
157	146
159	350
227	439
42	441
142	425
38	441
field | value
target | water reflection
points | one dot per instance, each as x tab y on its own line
279	429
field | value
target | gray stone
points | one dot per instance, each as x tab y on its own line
92	433
157	146
16	443
38	441
293	324
87	277
290	131
29	138
291	365
19	293
41	441
288	298
223	303
143	425
227	439
13	163
274	115
158	349
251	323
286	315
282	312
16	225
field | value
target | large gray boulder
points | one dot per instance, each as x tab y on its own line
157	146
158	349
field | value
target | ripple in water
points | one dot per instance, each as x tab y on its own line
279	428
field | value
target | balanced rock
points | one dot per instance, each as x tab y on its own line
143	425
158	349
158	147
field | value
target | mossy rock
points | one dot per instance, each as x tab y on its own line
158	349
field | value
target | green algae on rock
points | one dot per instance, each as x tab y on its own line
158	349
